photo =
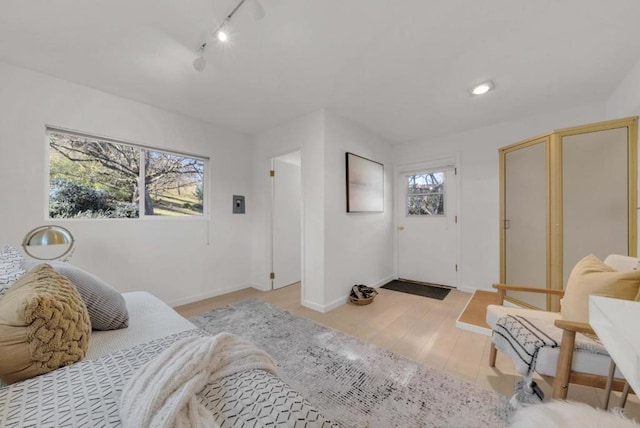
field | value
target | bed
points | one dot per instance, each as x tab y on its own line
86	394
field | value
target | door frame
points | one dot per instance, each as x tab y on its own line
402	168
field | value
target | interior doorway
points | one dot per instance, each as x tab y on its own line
428	222
286	198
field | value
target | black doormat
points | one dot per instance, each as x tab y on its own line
435	292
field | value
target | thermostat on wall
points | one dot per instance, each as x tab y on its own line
238	204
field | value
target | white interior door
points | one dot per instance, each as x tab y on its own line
427	225
287	238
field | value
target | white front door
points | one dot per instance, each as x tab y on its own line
287	226
427	224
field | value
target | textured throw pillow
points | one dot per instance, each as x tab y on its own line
44	325
592	276
10	266
107	308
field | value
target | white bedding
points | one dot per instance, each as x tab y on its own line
87	394
149	319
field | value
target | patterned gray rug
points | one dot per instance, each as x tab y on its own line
355	383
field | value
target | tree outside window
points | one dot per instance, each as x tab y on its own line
93	178
425	194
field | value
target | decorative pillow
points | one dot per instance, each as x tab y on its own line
592	276
10	266
106	306
44	325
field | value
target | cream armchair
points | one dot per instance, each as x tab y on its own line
564	365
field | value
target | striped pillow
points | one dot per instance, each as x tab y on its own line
107	308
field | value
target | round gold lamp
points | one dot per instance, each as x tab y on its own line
48	243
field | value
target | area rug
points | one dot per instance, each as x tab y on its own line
352	382
425	290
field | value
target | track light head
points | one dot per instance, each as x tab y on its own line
200	63
257	11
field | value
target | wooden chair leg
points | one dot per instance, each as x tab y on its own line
625	394
565	359
607	389
492	355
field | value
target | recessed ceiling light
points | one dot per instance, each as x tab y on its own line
482	88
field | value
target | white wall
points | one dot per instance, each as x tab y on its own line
478	211
358	246
339	249
168	257
307	134
625	99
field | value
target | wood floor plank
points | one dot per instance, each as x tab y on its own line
468	343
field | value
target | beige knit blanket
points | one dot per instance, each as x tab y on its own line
164	392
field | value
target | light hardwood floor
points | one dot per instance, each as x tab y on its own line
419	328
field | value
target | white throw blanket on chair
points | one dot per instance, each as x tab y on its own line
521	339
163	393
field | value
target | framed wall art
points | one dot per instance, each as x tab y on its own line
365	185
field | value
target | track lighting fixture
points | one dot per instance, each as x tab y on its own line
200	63
221	32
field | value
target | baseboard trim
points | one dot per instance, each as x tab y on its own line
341	300
265	287
325	308
208	295
471	290
314	306
337	303
383	281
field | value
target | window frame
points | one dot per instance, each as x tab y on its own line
206	203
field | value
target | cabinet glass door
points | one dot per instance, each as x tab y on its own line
525	221
595	188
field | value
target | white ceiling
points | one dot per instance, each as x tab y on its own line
399	67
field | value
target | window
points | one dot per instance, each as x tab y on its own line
92	177
425	194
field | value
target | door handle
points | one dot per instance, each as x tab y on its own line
400	227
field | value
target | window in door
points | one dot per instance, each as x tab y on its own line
426	194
